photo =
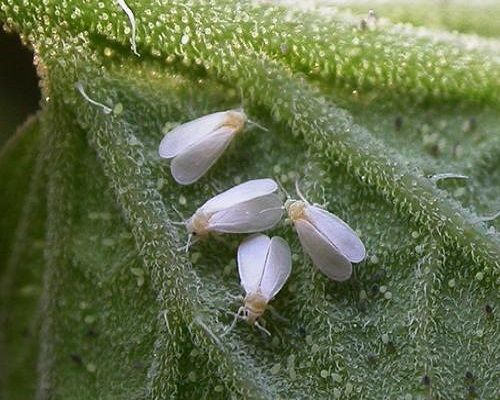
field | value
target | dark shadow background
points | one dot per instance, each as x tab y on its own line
19	91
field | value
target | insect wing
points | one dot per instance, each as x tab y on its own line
253	215
323	253
277	268
185	135
239	194
191	165
337	232
252	254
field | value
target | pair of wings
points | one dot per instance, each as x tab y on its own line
196	146
246	208
330	242
264	264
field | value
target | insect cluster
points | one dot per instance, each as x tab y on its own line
264	264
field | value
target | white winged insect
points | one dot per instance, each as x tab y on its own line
329	241
196	145
249	207
264	265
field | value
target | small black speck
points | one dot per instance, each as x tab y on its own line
488	309
379	274
139	365
76	359
374	289
363	305
301	331
469	376
433	150
426	380
371	358
398	123
471	392
90	333
390	347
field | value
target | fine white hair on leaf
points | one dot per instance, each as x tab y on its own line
488	218
131	17
105	108
448	175
196	145
208	331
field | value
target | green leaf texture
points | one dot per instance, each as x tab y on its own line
376	124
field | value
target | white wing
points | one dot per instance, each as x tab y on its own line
337	232
182	137
254	215
277	269
191	164
324	254
264	264
252	254
243	192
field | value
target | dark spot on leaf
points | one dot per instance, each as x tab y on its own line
433	150
390	347
371	358
398	123
301	331
488	309
471	392
139	365
374	289
379	274
90	333
363	305
76	359
426	380
469	376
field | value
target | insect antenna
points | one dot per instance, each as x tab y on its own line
242	108
282	188
257	125
299	193
178	223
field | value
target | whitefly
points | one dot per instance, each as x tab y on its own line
332	244
264	265
195	146
249	207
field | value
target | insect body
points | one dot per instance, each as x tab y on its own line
246	208
329	241
195	146
264	265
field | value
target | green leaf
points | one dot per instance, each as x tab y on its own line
394	130
21	259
